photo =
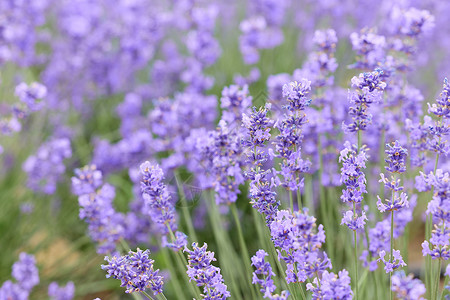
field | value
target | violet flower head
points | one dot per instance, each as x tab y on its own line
26	272
354	222
352	175
440	128
396	158
263	273
86	180
368	89
299	244
32	95
369	47
135	271
224	155
331	286
157	198
296	94
257	126
47	165
412	22
200	270
326	40
263	276
407	287
392	264
235	100
10	290
442	106
179	243
56	292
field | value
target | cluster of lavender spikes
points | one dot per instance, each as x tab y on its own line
135	271
161	55
26	274
204	274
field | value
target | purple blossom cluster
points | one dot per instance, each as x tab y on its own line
47	165
288	141
299	244
135	271
204	274
369	88
26	274
162	64
407	287
263	276
352	175
106	226
56	292
331	286
438	208
257	127
31	97
159	206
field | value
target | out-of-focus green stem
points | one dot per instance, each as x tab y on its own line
185	210
244	250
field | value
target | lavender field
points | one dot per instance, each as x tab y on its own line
209	149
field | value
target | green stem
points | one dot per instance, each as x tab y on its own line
299	198
391	257
182	264
147	295
302	291
445	284
174	278
244	250
356	266
438	278
291	200
185	210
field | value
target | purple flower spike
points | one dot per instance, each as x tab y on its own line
407	287
157	198
31	95
396	158
56	292
331	286
201	271
392	264
26	272
135	271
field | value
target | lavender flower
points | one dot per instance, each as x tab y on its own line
31	95
352	175
407	287
369	89
263	276
47	165
106	226
396	159
26	272
299	243
201	271
257	132
159	206
369	48
234	102
135	271
441	127
331	286
394	263
288	144
157	198
56	292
